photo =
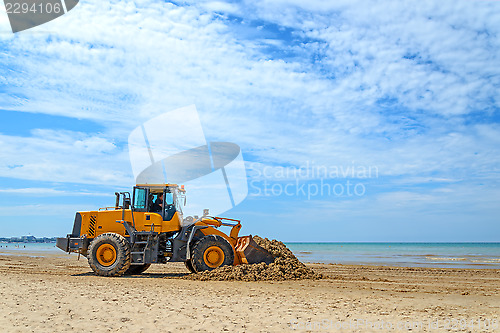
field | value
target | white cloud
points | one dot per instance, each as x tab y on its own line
63	156
40	191
451	46
43	210
221	6
386	84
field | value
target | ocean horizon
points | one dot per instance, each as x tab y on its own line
404	254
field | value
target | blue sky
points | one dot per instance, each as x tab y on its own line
410	89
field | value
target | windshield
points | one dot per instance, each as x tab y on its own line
177	199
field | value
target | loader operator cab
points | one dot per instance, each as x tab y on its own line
163	199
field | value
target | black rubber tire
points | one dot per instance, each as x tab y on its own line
137	269
199	248
122	249
189	266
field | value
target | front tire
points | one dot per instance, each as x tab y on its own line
210	252
189	266
109	255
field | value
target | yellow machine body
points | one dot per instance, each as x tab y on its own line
95	223
148	227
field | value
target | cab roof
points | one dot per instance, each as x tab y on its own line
160	186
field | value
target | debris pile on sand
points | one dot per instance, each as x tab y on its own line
285	267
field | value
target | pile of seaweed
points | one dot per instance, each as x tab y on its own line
285	267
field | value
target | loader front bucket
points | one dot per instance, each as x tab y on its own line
249	252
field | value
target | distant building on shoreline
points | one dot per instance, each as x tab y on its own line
27	239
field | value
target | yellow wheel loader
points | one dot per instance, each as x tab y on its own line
148	227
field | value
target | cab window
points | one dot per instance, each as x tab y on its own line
140	198
169	198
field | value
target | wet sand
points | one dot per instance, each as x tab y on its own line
60	293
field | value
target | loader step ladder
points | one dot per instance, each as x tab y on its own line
144	244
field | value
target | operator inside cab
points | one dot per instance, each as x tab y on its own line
157	206
158	203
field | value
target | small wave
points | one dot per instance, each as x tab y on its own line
446	259
488	261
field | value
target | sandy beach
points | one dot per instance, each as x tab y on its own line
60	293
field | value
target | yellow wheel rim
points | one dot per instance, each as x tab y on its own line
213	256
106	254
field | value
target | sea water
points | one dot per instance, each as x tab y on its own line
27	248
459	255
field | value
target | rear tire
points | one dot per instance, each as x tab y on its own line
210	252
137	269
109	255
